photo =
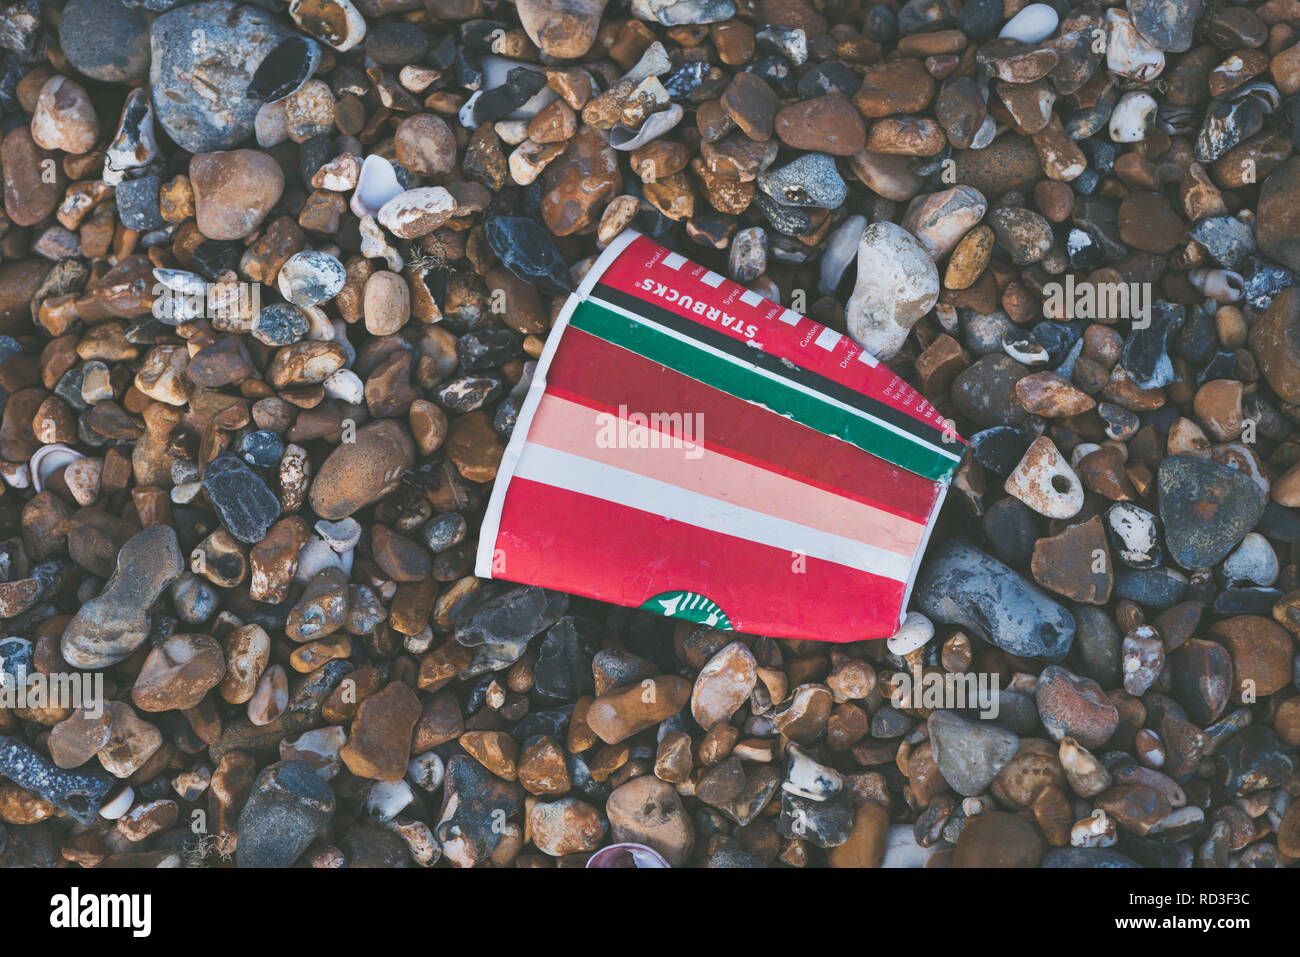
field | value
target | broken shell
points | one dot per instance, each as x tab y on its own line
48	460
1221	285
286	68
627	855
376	185
840	250
655	126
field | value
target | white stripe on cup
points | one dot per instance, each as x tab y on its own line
607	483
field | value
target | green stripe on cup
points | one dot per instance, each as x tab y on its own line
744	382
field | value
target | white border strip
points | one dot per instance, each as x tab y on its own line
491	527
921	548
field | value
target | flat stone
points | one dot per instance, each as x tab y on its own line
288	808
203	59
969	753
1206	508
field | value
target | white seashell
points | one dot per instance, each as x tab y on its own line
620	855
1221	285
47	460
840	250
655	126
1034	23
466	113
376	185
986	134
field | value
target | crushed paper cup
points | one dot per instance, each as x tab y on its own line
691	448
627	855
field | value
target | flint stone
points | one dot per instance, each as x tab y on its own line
1206	508
290	805
960	585
73	792
204	58
244	503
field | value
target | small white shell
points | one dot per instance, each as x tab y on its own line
655	126
376	185
47	460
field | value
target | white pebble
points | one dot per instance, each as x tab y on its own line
1034	23
916	631
426	770
387	799
1253	561
1133	118
345	385
376	186
119	804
